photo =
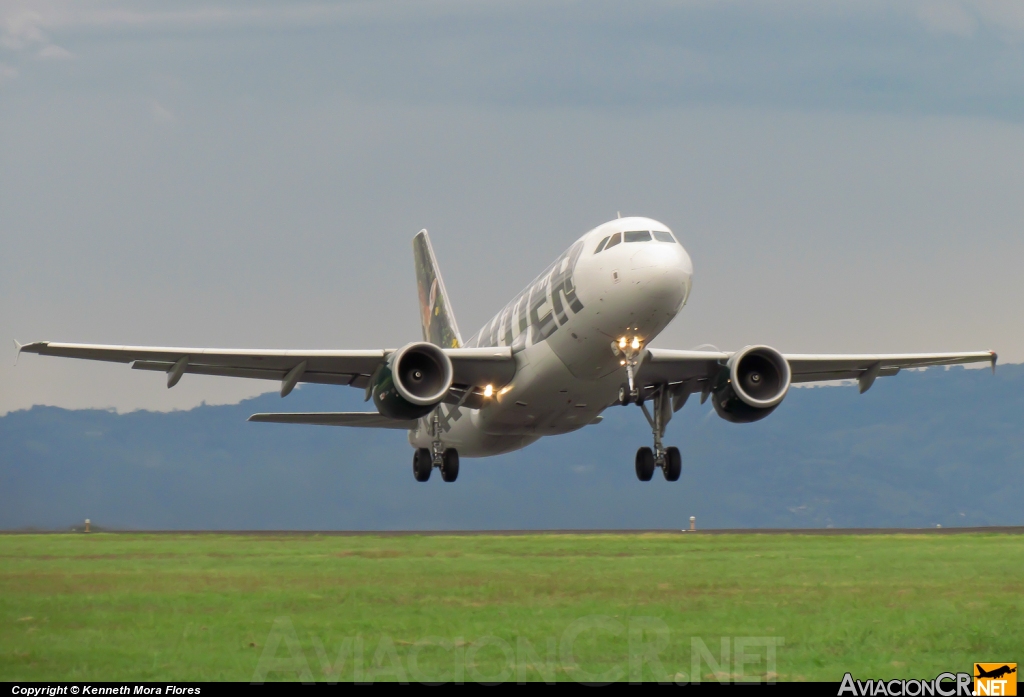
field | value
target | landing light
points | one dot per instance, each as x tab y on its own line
489	390
622	342
636	343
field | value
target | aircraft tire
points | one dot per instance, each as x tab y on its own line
450	465
624	394
422	465
644	464
673	464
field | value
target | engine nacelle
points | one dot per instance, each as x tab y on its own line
753	383
412	382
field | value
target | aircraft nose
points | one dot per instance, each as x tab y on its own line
664	272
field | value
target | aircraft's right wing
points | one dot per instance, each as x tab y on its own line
472	367
358	419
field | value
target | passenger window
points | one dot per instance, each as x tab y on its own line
663	236
638	236
616	238
601	246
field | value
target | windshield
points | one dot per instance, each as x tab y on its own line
638	236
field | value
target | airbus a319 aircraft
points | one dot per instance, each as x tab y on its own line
573	343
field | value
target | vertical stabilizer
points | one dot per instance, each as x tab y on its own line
436	314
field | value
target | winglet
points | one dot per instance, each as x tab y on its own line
18	347
995	358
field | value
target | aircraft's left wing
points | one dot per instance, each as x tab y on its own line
471	367
693	371
817	367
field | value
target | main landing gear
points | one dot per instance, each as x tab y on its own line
667	459
426	459
423	464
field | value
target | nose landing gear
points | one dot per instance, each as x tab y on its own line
630	354
669	460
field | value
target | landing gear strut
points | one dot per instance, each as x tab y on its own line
667	459
426	459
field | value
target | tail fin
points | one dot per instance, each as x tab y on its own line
436	314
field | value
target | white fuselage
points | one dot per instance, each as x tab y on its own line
561	329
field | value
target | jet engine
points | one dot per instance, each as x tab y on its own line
752	384
412	382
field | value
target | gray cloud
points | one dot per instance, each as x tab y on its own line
919	57
251	175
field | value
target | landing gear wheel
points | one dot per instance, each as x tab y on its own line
450	465
644	464
673	464
422	465
624	394
627	397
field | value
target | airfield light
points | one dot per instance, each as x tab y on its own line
636	342
489	390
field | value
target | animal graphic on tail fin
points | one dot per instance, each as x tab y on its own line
436	314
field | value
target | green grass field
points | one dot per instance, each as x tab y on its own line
228	607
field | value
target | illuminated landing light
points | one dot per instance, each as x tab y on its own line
622	342
636	343
489	390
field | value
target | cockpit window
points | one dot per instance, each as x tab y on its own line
616	238
601	245
663	236
638	236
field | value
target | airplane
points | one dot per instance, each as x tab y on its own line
995	673
571	344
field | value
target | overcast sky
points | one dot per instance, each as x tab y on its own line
847	176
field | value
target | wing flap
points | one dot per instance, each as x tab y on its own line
493	366
253	373
670	366
840	375
355	419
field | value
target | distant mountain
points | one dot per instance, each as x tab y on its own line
924	448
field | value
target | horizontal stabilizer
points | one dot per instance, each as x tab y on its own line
357	419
